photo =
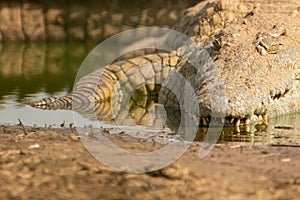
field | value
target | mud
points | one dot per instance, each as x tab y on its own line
52	163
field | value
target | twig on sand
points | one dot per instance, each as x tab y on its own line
71	127
63	124
23	127
285	145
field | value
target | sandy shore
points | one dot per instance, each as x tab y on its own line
52	163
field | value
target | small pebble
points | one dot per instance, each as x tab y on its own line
34	146
74	137
235	146
286	160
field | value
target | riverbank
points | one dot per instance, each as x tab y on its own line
81	21
53	163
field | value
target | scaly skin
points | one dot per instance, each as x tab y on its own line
140	73
209	17
257	58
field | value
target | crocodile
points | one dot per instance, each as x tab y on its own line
255	49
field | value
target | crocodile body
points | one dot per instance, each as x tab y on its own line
256	53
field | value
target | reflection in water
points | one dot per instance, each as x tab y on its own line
144	111
31	68
34	71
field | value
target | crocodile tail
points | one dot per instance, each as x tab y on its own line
139	74
51	103
95	87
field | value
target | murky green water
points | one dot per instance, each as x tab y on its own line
33	71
